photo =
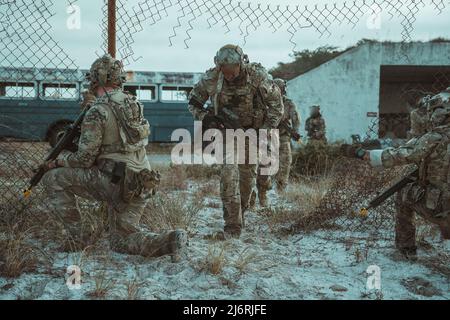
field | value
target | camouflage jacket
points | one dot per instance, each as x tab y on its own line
431	153
290	114
315	126
419	122
241	96
102	137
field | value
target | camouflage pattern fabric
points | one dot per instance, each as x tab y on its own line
282	177
430	195
87	173
239	96
315	127
419	122
126	235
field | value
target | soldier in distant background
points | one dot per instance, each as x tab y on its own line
282	177
247	90
315	126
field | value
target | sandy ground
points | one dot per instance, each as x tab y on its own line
260	265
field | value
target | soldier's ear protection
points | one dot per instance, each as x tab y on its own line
242	57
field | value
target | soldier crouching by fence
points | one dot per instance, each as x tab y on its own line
428	193
110	165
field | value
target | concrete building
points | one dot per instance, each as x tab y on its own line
372	85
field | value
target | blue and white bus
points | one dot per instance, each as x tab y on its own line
44	101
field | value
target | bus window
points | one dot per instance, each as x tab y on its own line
175	94
67	91
142	92
17	90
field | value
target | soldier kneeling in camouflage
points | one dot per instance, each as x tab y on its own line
429	195
110	165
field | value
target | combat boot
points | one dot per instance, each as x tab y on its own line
176	243
262	196
252	201
407	253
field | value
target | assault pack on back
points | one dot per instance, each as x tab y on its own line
134	130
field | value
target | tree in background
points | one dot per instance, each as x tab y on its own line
304	61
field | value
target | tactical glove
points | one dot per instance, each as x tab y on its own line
353	151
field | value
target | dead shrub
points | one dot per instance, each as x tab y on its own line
315	159
215	259
166	212
175	178
244	259
18	254
103	285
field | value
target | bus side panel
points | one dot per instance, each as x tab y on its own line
30	119
164	118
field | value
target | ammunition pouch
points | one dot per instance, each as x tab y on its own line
132	183
433	199
136	183
259	116
413	193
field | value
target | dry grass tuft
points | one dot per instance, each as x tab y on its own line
18	254
244	259
133	289
166	212
103	285
215	259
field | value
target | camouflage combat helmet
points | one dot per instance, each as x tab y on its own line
106	71
230	54
439	108
315	110
281	83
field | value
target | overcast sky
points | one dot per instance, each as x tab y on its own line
152	44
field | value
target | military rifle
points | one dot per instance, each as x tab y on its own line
225	119
284	124
71	134
395	187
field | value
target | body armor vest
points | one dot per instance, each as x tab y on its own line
238	96
126	129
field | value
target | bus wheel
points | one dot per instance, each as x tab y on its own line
56	133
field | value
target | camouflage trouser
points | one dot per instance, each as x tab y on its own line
405	227
237	183
264	183
282	177
126	236
321	140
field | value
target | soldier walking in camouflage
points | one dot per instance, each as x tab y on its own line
429	195
282	177
315	126
110	165
237	85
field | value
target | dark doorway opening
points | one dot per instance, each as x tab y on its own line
400	89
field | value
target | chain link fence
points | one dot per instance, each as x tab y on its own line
30	57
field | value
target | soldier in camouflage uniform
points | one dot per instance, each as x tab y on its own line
315	126
111	166
419	119
291	116
429	196
238	85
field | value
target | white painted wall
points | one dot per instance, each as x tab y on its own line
347	87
